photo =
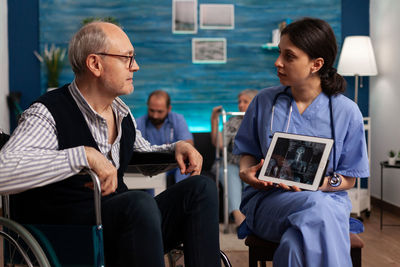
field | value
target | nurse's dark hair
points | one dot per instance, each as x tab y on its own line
316	38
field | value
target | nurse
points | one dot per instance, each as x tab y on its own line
312	227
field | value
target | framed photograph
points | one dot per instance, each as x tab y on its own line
217	16
208	50
184	16
298	160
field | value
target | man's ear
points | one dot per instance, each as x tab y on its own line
94	65
169	108
317	65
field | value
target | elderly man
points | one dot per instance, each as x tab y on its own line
85	125
162	126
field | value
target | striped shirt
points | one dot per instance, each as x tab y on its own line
31	157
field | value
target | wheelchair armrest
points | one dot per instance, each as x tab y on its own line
152	163
97	196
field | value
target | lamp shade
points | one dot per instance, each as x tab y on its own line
357	57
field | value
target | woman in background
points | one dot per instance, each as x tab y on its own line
235	185
312	228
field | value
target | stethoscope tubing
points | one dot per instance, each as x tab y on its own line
286	93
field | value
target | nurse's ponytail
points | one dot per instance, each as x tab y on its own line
332	83
316	38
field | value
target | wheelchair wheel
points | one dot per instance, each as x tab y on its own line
19	247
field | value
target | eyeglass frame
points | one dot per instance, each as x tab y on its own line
131	58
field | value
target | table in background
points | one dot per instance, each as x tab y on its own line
385	164
140	181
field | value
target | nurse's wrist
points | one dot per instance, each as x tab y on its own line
346	184
327	187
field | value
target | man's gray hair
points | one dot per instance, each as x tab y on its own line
250	92
88	40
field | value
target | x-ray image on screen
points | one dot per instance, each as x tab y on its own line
295	160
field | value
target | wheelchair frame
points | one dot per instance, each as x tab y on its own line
32	244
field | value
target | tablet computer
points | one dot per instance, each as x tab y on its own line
298	160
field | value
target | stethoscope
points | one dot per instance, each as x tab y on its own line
285	93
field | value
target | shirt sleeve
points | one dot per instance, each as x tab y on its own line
142	145
31	157
141	123
181	129
353	160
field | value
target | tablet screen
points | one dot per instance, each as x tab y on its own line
296	160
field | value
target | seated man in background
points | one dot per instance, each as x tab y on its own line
85	125
163	126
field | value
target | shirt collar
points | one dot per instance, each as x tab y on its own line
117	105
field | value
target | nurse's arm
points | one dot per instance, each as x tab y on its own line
248	170
347	183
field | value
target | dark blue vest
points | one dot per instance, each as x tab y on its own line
59	201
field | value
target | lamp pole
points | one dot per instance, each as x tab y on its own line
356	88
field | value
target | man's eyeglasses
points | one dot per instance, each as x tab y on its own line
131	58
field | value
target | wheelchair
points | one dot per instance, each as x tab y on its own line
27	245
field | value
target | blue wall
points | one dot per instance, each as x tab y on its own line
165	58
23	39
356	23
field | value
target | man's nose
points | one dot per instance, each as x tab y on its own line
135	66
156	115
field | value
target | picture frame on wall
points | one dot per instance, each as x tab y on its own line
184	16
217	16
209	50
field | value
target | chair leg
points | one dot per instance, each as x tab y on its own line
356	257
252	258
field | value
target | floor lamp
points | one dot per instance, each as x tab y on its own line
357	59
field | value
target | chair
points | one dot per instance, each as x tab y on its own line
262	250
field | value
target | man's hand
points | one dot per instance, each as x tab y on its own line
188	158
106	172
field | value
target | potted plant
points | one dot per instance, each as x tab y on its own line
53	59
392	158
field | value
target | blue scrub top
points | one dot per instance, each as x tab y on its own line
254	133
173	129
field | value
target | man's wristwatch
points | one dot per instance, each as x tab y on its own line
335	180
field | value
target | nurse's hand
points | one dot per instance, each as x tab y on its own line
248	175
289	188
